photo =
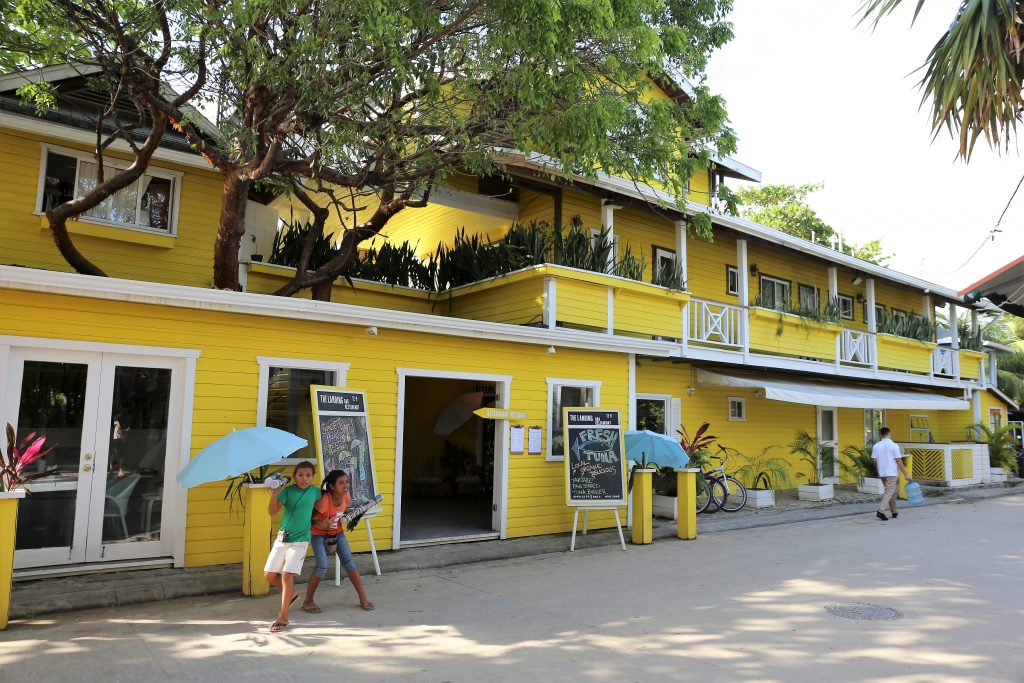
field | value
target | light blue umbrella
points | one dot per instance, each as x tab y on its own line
652	448
238	452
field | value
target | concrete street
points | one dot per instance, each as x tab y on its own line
745	605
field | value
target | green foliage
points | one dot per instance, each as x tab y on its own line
786	208
395	265
808	316
761	468
973	74
670	277
1001	445
288	246
631	267
812	453
857	462
909	326
235	491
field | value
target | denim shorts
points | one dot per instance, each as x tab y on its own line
320	555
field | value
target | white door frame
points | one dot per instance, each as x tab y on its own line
819	410
175	501
503	387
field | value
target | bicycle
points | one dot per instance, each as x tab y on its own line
709	490
735	492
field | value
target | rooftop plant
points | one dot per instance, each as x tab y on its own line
910	326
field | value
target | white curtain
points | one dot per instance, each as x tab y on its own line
119	207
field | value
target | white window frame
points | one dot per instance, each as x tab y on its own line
998	414
340	371
846	307
553	382
666	400
731	273
659	254
742	404
922	434
776	282
801	288
119	164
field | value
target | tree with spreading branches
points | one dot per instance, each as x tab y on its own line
320	100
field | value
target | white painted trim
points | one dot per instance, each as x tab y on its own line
179	296
31	124
504	387
562	381
667	398
954	328
631	391
119	165
446	195
681	262
833	283
101	347
180	523
610	310
550	309
45	74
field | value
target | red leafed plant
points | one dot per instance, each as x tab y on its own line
698	445
20	456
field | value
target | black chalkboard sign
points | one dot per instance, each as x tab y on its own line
343	438
595	471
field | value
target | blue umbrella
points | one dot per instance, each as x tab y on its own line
238	452
652	448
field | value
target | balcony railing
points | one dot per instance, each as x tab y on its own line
945	362
856	348
714	323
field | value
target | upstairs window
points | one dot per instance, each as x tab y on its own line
737	409
774	293
879	312
808	297
664	264
732	281
845	307
149	203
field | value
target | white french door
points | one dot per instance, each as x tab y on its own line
112	420
828	437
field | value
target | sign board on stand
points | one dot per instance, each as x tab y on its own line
341	426
595	470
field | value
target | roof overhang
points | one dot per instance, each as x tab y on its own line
834	395
1004	288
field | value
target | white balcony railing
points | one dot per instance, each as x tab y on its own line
946	362
856	348
710	322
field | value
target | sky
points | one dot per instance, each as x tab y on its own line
814	97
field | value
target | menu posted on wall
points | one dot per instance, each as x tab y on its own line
595	471
343	438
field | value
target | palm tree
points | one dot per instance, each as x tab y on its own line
974	73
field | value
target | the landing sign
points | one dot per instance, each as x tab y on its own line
340	422
595	471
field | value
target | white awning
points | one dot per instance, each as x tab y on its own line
835	395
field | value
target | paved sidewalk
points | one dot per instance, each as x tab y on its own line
746	605
47	596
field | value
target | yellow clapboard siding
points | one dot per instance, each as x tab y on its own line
790	335
898	353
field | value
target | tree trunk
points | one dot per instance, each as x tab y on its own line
230	231
322	290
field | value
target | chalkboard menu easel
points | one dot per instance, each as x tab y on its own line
343	438
595	471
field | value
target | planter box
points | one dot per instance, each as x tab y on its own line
665	507
815	492
998	474
8	523
760	498
871	485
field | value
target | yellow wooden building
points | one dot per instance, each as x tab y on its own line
131	375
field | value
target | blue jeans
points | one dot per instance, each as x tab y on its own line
320	555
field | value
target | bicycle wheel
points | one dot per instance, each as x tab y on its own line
718	494
703	496
736	494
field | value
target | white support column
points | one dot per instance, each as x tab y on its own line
976	396
992	369
681	252
744	295
611	311
833	284
954	329
869	288
608	208
926	307
975	329
550	311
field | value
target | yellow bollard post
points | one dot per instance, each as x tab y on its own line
643	524
255	540
8	525
686	504
908	462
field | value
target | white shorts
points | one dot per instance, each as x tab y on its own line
286	557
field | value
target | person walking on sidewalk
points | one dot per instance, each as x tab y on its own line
289	551
889	463
329	539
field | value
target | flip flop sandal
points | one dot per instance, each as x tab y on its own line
367	605
312	609
278	626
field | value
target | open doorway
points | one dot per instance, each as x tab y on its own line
447	461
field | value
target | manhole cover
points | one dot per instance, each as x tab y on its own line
864	610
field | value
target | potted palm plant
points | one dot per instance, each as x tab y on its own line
817	457
1001	454
761	474
858	463
665	499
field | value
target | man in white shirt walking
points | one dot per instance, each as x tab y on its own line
889	463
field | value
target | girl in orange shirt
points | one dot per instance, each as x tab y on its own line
325	531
